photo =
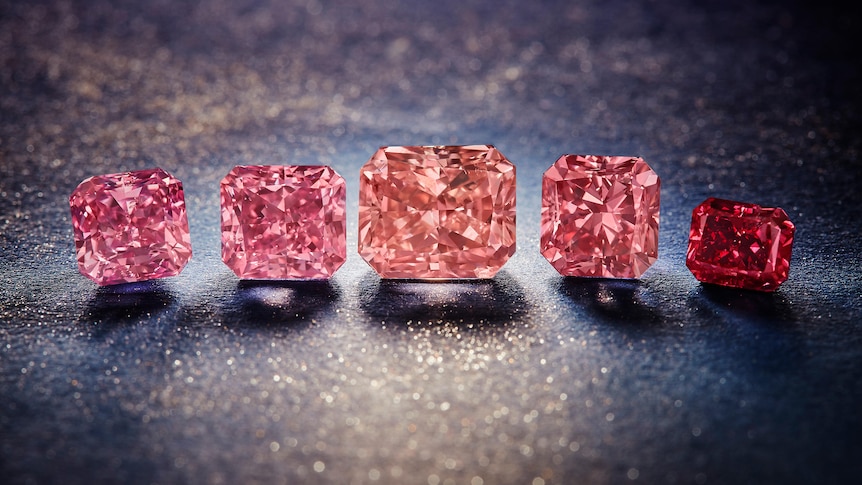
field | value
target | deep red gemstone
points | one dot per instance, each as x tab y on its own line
740	245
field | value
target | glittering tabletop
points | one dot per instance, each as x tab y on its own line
528	377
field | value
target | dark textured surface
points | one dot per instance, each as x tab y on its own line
527	378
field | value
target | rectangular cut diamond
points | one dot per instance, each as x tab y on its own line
600	216
740	245
130	226
437	212
283	222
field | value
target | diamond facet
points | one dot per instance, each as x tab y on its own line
600	216
130	226
437	212
283	222
740	245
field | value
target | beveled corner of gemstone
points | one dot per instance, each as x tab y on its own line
600	216
437	212
130	227
740	245
283	222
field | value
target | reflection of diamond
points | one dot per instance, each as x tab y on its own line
600	216
740	245
437	212
283	222
130	226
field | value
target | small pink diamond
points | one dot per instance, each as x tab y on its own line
283	222
437	212
600	216
130	226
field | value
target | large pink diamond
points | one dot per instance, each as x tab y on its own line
130	226
600	216
437	212
283	222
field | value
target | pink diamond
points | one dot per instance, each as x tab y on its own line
600	216
437	212
130	226
740	245
283	222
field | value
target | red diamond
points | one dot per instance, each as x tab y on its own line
740	245
130	226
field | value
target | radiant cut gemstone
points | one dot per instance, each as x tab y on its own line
740	245
600	216
283	222
437	212
130	226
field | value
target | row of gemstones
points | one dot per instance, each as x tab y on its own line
425	212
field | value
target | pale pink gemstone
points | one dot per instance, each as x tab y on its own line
600	216
130	226
437	212
283	222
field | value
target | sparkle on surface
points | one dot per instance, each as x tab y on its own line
206	378
283	222
740	245
130	226
600	216
437	212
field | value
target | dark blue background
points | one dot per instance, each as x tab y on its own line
526	378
